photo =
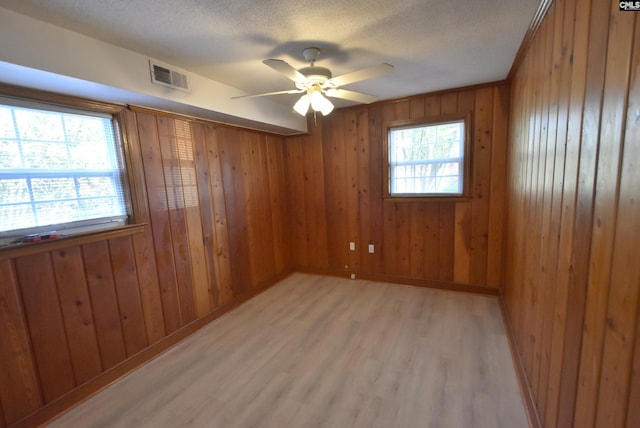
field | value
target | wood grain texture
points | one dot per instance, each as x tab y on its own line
106	313
213	212
20	389
146	268
570	217
428	239
77	312
628	202
45	325
175	149
128	295
327	352
159	219
615	203
230	148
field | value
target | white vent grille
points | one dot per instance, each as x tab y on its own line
161	74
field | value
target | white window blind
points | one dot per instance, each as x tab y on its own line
60	169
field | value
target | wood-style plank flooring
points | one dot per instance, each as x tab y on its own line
316	351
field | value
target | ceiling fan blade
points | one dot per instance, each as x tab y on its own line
291	91
351	95
364	74
284	68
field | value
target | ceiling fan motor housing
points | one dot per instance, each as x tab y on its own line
319	74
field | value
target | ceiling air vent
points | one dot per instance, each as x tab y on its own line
162	74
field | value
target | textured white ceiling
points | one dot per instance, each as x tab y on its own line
434	44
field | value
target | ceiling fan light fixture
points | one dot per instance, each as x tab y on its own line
327	107
320	103
317	83
316	100
302	105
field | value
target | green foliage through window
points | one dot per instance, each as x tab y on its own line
59	168
427	159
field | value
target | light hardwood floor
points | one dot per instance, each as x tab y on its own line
317	351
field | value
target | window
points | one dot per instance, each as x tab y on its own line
60	168
427	159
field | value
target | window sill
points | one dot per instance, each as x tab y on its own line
427	198
19	250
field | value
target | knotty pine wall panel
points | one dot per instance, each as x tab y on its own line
572	276
336	193
215	202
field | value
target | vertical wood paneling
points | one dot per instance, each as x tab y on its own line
561	85
316	212
352	189
400	257
464	103
448	104
582	244
204	178
106	312
262	220
335	173
278	203
426	240
158	216
174	149
538	199
19	383
613	251
296	188
196	262
363	175
230	144
219	255
445	247
418	257
217	212
148	282
461	243
250	207
429	234
497	188
127	294
46	326
77	312
560	293
628	203
481	155
571	288
376	183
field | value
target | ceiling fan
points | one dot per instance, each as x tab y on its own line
317	83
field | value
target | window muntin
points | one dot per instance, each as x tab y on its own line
427	159
60	168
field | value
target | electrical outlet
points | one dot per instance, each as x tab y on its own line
352	246
371	248
353	276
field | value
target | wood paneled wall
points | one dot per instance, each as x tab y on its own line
214	200
572	272
336	189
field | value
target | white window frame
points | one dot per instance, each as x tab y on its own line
464	171
111	112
